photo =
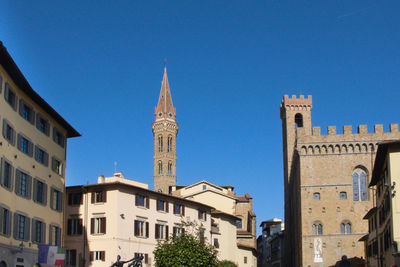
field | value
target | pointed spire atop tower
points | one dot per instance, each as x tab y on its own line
165	107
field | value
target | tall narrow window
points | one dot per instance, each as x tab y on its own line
169	144
169	167
345	228
316	196
298	120
317	228
359	185
160	144
160	167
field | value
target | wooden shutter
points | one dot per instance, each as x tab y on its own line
34	232
61	200
147	202
43	238
91	256
93	197
103	255
166	232
50	234
157	231
46	159
183	210
199	214
136	199
146	258
33	115
147	229
104	196
19	141
30	148
52	198
27	228
69	225
28	186
4	128
166	206
15	226
21	107
44	194
17	181
80	227
136	228
103	225
35	186
92	225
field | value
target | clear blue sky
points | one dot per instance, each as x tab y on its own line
100	65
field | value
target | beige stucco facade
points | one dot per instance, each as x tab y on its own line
120	210
325	179
24	207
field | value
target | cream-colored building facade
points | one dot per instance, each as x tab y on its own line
119	216
326	179
383	240
33	147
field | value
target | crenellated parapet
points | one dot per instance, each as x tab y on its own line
294	103
346	142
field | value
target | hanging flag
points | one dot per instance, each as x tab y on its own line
51	255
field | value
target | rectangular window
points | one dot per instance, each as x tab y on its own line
216	243
23	184
245	259
201	233
141	228
162	205
343	195
58	137
74	226
54	235
239	224
56	200
70	257
97	255
98	225
99	197
38	231
10	96
8	132
25	145
42	124
6	174
21	227
179	209
74	199
26	111
57	166
177	230
161	231
5	221
41	156
39	191
202	215
142	201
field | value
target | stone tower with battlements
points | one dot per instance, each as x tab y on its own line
165	130
326	181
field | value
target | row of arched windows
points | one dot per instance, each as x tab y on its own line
160	168
345	228
160	143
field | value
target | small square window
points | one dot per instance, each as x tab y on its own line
343	195
317	196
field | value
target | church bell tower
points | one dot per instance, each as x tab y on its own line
165	130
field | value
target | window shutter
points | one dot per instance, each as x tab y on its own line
6	91
174	230
103	225
4	128
80	222
166	232
92	226
30	148
1	83
61	201
35	185
46	159
44	194
199	214
147	202
32	118
54	134
356	196
52	206
69	225
27	228
17	181
28	186
136	228
183	210
2	178
43	238
166	206
8	233
103	255
104	196
21	107
146	258
91	256
36	153
157	231
147	229
93	197
136	199
33	231
15	225
19	141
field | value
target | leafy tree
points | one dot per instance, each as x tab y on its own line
187	249
226	263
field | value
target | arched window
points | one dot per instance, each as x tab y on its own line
160	143
169	167
298	119
343	195
359	185
169	147
316	196
160	167
317	228
345	228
